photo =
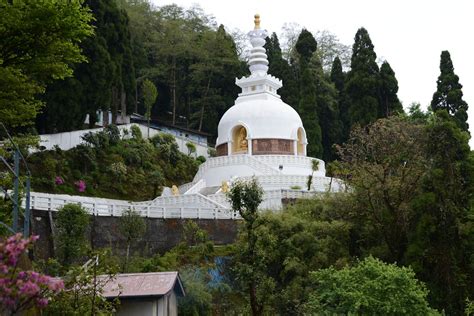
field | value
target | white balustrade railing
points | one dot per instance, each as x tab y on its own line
195	188
320	184
187	199
197	206
103	208
225	161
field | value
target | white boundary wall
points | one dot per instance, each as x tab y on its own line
68	140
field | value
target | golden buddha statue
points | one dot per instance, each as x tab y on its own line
175	190
225	187
242	139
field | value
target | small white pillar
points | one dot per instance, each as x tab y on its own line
229	148
295	147
249	146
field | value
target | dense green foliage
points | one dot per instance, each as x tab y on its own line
106	81
368	289
115	166
389	103
190	60
444	216
286	247
307	107
409	176
448	95
72	223
412	201
363	81
149	98
281	69
39	45
83	289
132	227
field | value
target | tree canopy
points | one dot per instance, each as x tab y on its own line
367	289
448	95
40	44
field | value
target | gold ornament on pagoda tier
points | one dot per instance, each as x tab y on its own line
257	21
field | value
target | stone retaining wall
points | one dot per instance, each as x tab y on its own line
161	234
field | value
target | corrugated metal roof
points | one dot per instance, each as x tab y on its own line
142	284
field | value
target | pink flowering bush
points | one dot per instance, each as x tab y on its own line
80	185
22	290
58	180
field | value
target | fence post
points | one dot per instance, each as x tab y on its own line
181	212
26	223
164	212
33	200
16	193
148	210
199	213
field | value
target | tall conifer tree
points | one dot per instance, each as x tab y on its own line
449	94
309	114
363	81
328	109
338	79
389	102
305	46
280	68
307	106
106	81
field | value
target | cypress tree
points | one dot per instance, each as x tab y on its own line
448	95
338	79
363	81
307	106
389	102
441	245
109	69
280	68
309	114
305	46
328	109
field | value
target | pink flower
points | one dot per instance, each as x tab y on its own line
80	185
56	285
41	302
29	289
58	180
20	290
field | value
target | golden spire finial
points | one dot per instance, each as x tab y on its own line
257	21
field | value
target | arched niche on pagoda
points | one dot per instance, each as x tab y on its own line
240	141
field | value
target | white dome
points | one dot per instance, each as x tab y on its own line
263	116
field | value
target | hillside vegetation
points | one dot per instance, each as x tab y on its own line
110	165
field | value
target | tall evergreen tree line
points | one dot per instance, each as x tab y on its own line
106	81
332	102
191	61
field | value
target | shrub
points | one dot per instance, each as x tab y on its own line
371	287
71	226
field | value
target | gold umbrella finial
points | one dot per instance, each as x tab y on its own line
257	21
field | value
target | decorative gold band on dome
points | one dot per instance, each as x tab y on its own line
257	21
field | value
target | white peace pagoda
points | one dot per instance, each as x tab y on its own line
259	136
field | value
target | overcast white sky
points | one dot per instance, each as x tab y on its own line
409	34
